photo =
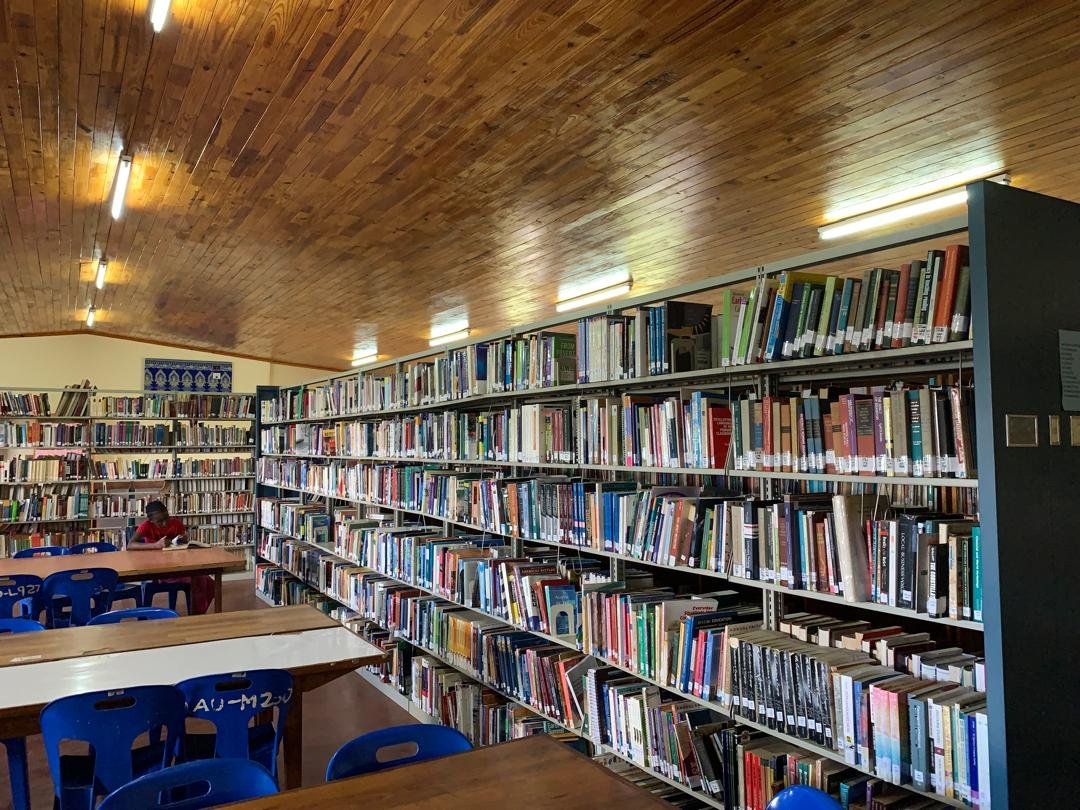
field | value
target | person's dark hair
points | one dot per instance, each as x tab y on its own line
155	506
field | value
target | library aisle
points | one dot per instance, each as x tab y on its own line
333	715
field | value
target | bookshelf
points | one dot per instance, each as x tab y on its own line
1017	241
195	452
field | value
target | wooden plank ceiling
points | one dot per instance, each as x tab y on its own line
309	176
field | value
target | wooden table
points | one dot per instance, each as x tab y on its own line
136	565
314	648
538	773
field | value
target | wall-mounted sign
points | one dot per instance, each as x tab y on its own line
197	376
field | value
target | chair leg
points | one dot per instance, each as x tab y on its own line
18	772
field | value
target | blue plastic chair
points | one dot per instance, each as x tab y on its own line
109	722
360	755
230	702
97	547
18	772
802	797
9	626
153	587
41	551
138	614
90	592
207	783
133	590
16	746
22	591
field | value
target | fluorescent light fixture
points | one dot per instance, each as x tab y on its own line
927	204
159	13
123	175
90	317
363	360
579	301
913	192
449	337
99	281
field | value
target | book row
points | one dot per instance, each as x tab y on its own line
138	469
176	502
43	507
12	542
224	534
176	405
922	431
59	467
190	434
43	434
72	403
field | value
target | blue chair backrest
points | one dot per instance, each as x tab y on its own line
90	591
41	551
139	614
230	701
361	755
205	783
110	722
14	588
19	626
802	797
99	547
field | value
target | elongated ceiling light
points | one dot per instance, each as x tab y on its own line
578	301
123	175
99	281
449	337
926	204
159	14
364	359
90	317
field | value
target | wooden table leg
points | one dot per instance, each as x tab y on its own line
293	742
217	592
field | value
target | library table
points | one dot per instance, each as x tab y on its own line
117	656
136	565
537	772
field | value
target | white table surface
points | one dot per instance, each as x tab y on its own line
34	684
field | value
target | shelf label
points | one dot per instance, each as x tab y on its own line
1069	354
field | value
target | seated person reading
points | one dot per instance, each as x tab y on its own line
159	530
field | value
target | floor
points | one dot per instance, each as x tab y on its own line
333	714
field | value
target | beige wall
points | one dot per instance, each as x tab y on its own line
112	363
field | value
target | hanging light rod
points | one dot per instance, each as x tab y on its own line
90	317
159	14
449	337
603	294
120	185
99	281
926	204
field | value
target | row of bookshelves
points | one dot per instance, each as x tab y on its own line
711	706
403	701
320	402
896	610
275	556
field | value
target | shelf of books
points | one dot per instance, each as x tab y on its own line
80	464
753	531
